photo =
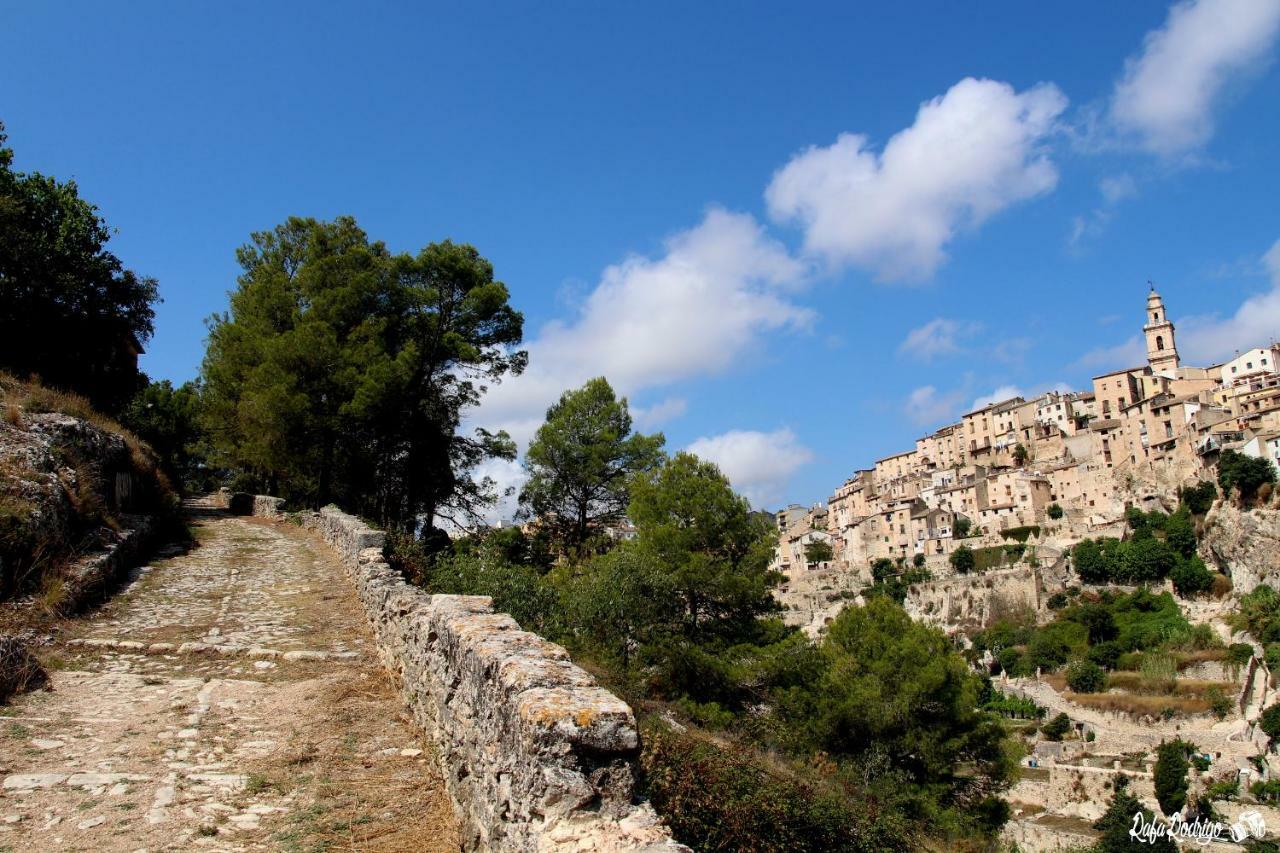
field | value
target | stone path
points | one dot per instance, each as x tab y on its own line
228	699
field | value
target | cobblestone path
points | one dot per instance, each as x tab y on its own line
228	699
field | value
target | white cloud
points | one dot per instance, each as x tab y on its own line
1117	188
970	154
1206	340
758	464
940	336
700	308
926	407
1165	98
648	417
999	395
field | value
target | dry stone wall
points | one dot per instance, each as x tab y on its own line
536	755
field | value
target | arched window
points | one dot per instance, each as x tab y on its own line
1159	342
1155	316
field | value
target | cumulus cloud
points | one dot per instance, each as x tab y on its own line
1209	339
1206	340
1166	96
970	154
698	309
940	336
927	407
999	395
649	417
758	464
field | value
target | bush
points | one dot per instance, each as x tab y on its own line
1246	473
1056	728
1191	577
918	561
1054	512
1200	497
1218	701
1170	776
962	559
714	799
961	527
1086	677
1057	601
1269	722
1021	534
1106	654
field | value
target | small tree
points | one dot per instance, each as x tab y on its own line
1054	511
1246	473
582	460
962	559
1086	677
1056	728
1191	577
961	527
1171	774
818	552
1020	455
918	561
1199	498
1269	722
1118	820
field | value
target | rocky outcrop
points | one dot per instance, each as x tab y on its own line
974	599
1244	544
536	755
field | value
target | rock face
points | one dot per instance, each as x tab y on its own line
536	755
1244	544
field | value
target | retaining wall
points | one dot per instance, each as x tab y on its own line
536	755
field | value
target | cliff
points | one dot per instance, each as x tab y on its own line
1244	544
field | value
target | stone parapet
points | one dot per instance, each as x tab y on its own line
536	755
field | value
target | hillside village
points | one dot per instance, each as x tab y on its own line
1073	460
1018	484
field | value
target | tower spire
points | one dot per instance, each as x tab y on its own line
1162	349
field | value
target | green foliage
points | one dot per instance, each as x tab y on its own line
70	313
1054	511
1246	473
1017	707
1056	728
917	561
1269	721
1117	821
962	559
1180	532
1200	497
705	537
820	552
715	799
1020	455
1225	789
1191	577
961	527
1106	654
1057	601
581	462
1171	774
342	373
1086	677
168	419
1271	656
894	691
1021	534
1259	614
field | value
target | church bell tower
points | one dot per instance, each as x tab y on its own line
1162	351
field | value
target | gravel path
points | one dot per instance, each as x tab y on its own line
228	699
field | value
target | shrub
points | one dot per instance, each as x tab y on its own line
1057	601
1170	776
962	559
1056	728
714	799
961	527
1191	577
1269	722
1054	511
1106	654
918	561
1021	534
1246	473
1086	677
1199	498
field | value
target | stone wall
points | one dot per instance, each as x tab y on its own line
536	755
970	599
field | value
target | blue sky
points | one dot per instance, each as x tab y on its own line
796	235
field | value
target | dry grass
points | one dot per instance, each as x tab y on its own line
1135	682
1139	705
347	796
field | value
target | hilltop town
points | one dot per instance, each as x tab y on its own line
1072	461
